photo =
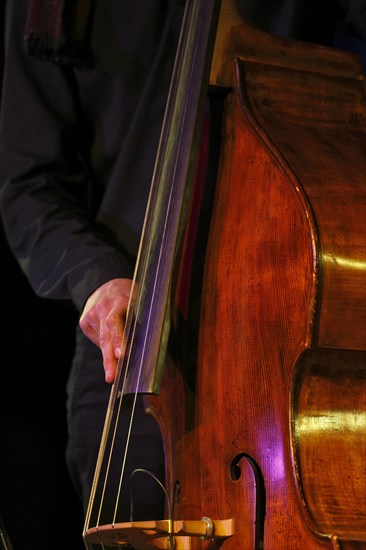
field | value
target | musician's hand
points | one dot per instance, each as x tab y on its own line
103	320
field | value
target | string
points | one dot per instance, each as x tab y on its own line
178	112
147	225
126	362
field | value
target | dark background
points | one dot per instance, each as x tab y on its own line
38	505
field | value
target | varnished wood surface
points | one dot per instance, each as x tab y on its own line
269	431
329	425
282	329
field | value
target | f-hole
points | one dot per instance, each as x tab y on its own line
260	494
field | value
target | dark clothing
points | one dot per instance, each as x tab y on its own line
309	20
87	404
77	152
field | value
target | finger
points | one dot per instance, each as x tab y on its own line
99	334
91	331
116	326
120	350
107	348
89	324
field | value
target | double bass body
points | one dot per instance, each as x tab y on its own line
270	432
261	405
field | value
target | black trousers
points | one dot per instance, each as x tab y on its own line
88	396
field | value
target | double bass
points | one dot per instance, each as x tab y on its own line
254	345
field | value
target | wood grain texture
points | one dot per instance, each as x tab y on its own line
273	431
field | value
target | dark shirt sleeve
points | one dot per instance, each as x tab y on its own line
45	184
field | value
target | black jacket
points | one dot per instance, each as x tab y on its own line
78	144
